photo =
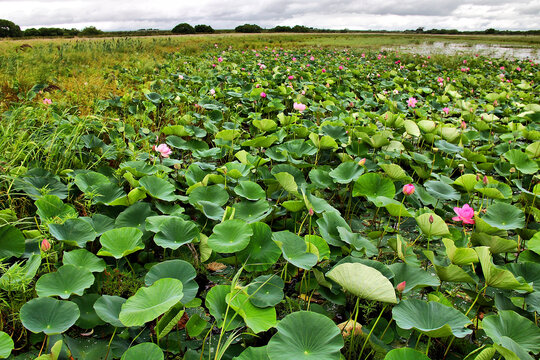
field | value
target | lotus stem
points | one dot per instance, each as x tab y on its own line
371	331
351	346
428	344
110	342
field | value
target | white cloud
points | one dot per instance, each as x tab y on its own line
227	14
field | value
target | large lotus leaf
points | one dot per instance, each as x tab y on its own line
467	181
211	210
51	209
395	172
287	182
529	271
158	188
504	216
147	351
346	172
394	207
459	256
482	353
533	301
363	281
433	319
6	345
252	211
521	161
415	277
357	241
262	252
175	232
135	216
256	319
86	182
321	178
121	242
305	335
405	354
49	315
329	225
249	190
496	244
317	245
441	190
377	265
175	269
139	168
253	353
215	194
218	307
437	228
294	249
75	232
67	280
88	318
11	242
372	185
84	259
39	182
100	223
448	272
98	187
108	309
534	243
266	290
150	302
514	332
498	278
494	190
230	236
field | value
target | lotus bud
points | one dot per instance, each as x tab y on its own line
362	162
45	245
311	212
485	180
408	189
401	286
431	219
477	177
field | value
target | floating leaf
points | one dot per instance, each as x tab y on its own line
230	236
504	216
121	242
432	319
149	303
266	290
76	232
6	345
346	172
261	252
49	315
305	335
436	228
372	185
294	249
175	269
67	280
108	309
363	281
175	232
415	277
256	319
84	259
147	351
11	242
405	354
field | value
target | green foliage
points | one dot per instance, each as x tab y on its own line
183	28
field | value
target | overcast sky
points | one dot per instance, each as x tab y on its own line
227	14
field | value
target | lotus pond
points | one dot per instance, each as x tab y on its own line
276	204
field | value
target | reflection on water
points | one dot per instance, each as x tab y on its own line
492	50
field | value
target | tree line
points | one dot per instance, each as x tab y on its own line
12	30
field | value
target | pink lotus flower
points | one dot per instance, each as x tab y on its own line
408	189
312	58
45	245
340	67
446	110
263	94
291	77
47	101
323	70
465	214
220	59
212	91
181	77
299	106
412	102
163	150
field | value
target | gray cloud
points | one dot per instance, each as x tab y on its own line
334	14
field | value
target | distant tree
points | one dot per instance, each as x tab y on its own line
490	31
204	29
90	30
420	30
9	29
31	32
281	28
183	28
300	29
248	28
